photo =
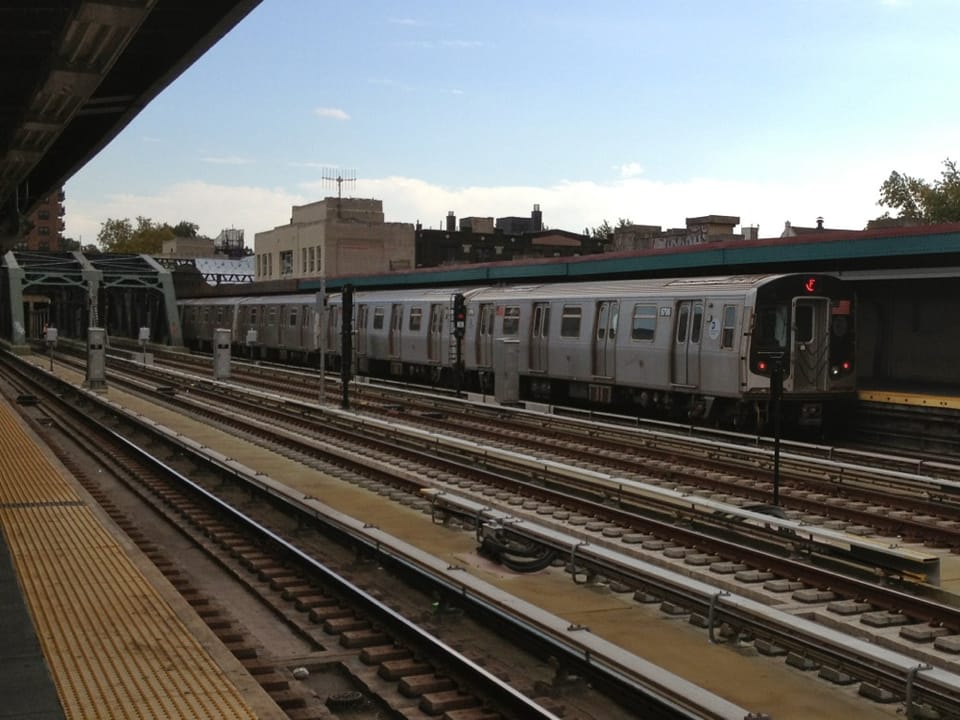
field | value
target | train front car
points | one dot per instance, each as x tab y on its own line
803	330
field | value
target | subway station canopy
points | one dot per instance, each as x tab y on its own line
74	73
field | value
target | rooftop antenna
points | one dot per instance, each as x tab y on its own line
339	177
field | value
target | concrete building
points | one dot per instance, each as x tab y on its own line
791	230
186	247
707	228
337	236
481	239
45	226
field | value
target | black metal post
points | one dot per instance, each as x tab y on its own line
458	370
776	393
346	325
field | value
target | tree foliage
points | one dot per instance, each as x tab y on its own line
186	229
919	201
121	236
605	231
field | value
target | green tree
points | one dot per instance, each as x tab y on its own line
120	236
186	229
605	231
919	201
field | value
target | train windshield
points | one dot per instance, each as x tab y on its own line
772	324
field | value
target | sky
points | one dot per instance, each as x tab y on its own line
651	111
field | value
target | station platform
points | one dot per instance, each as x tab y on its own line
86	634
935	399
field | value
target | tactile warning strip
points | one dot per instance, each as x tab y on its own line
115	649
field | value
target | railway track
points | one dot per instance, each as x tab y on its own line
282	573
868	493
850	597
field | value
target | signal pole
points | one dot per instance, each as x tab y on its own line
346	340
459	330
776	394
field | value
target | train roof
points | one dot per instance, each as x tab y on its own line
616	288
678	286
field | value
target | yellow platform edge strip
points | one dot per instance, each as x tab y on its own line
115	648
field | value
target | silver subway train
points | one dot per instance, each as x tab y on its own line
692	349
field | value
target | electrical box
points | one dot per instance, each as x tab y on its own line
221	354
506	372
96	359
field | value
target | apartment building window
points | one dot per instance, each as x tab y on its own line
286	262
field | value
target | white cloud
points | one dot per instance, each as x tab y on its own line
335	113
225	160
631	169
212	207
845	199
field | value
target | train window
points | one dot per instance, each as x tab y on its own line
293	317
771	329
219	315
306	316
682	323
614	319
416	315
511	320
272	315
644	322
570	321
804	319
253	316
206	314
485	322
729	326
839	325
378	318
602	321
697	323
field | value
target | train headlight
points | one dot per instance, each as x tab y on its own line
834	370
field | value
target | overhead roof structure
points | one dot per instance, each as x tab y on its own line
74	73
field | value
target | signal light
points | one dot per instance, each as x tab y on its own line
459	316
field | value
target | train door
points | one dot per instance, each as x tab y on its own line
539	337
396	327
605	338
485	336
686	346
810	347
362	331
435	341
